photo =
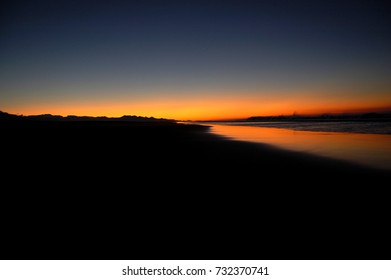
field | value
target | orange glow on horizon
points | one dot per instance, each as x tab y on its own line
210	107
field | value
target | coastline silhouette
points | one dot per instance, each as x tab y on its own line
95	175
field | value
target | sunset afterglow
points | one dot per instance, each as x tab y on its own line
211	108
194	60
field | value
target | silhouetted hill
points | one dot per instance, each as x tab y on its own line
44	117
6	116
49	117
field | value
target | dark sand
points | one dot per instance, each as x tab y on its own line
135	180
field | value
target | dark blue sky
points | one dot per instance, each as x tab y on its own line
88	52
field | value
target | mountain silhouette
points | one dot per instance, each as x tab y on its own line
50	117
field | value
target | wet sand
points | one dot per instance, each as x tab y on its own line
84	152
136	180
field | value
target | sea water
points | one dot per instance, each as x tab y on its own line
366	143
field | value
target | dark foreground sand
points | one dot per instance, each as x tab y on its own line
136	180
110	152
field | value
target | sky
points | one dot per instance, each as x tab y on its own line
194	60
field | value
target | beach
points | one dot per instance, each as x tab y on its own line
84	153
150	184
111	144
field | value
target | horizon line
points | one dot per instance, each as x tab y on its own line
279	116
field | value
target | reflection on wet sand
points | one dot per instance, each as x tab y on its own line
368	149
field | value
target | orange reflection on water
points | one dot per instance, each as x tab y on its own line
367	149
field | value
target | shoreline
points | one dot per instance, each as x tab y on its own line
153	184
160	145
307	126
372	150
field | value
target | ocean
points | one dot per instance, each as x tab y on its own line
372	127
363	142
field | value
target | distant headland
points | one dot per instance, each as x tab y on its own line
324	117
